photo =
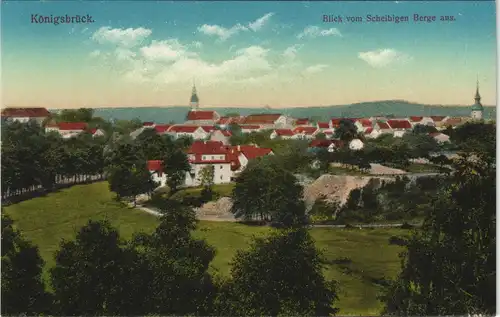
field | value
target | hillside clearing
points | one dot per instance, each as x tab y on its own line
358	259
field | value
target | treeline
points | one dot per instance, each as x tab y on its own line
34	160
165	273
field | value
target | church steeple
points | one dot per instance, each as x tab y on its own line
477	98
194	98
477	108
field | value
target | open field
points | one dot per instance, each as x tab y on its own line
357	259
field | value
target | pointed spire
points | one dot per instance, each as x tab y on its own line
194	97
477	98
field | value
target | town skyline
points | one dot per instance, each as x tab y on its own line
264	54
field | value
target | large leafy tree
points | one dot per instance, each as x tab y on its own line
175	166
95	274
449	266
266	191
176	275
280	275
346	131
23	290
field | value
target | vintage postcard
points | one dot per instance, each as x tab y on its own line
248	158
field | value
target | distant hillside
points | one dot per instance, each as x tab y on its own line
366	109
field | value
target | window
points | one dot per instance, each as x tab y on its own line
212	157
221	177
221	167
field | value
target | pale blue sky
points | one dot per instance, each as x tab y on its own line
146	53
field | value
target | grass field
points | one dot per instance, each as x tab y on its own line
422	168
357	259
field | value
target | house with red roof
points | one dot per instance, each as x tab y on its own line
379	128
284	134
399	125
323	125
440	137
221	136
302	122
363	124
67	129
24	115
414	120
306	132
183	130
202	117
329	145
155	167
97	132
162	128
268	121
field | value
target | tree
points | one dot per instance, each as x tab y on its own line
280	275
23	290
346	131
266	191
94	274
449	265
175	166
207	180
320	136
423	129
176	274
76	115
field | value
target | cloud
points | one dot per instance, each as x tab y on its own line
95	53
315	31
168	51
260	22
315	69
384	57
290	53
123	37
220	31
224	33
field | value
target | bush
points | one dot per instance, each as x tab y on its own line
395	240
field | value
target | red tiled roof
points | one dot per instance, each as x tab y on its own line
183	128
250	127
206	147
369	130
305	130
323	125
25	112
65	126
365	123
416	119
252	152
437	118
148	124
453	121
284	132
328	132
225	120
383	125
208	128
194	115
335	122
399	124
261	118
302	121
162	128
226	133
155	165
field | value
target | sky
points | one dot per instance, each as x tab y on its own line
245	54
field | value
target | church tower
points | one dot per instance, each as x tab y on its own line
477	108
195	101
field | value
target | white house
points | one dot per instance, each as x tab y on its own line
221	136
414	120
250	128
382	127
67	129
24	115
306	132
372	133
356	145
440	137
97	132
363	124
193	131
